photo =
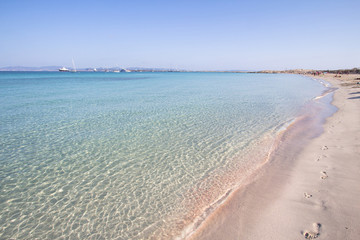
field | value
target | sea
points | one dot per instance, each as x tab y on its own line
95	155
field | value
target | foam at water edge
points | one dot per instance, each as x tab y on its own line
280	131
190	229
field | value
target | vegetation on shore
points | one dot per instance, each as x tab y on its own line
312	71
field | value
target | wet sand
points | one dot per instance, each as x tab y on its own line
311	186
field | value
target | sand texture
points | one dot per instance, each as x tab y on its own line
311	193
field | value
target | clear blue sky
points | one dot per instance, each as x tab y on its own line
195	35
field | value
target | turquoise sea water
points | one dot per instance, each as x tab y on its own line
132	155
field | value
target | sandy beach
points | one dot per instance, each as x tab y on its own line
309	189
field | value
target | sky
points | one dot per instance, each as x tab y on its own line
192	35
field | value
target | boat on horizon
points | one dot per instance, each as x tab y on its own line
64	69
74	68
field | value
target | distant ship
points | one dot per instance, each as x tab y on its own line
64	69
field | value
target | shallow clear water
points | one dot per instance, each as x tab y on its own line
132	155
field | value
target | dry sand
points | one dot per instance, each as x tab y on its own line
312	192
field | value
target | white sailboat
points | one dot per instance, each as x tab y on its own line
74	68
64	69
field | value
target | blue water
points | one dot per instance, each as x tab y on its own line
132	155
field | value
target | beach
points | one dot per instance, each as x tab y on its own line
177	156
135	155
309	188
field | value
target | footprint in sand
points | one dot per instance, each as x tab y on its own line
324	175
314	233
306	195
321	157
324	148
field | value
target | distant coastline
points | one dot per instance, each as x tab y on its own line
147	69
312	71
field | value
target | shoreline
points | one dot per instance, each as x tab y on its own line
305	190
